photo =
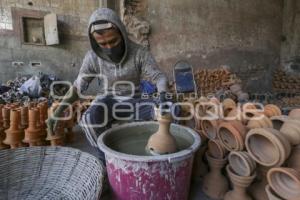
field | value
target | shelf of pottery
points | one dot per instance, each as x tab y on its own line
24	125
258	152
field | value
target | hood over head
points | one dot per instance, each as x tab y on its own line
108	15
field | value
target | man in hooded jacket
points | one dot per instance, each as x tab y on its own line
120	65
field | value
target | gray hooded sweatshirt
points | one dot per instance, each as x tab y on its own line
137	63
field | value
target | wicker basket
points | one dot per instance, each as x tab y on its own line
49	173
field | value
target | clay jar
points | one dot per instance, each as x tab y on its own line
259	121
294	159
267	146
278	121
295	114
210	128
240	185
32	133
216	149
14	134
232	135
228	105
271	194
285	182
271	110
291	130
162	142
2	133
215	185
241	163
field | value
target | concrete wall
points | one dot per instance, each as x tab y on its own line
244	35
291	31
65	59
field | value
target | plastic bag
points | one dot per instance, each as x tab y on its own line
32	87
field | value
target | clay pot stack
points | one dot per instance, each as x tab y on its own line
214	79
283	82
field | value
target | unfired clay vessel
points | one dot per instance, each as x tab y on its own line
257	189
278	121
6	116
162	142
232	135
241	163
294	159
240	185
215	184
285	182
14	134
267	146
24	117
271	110
259	121
295	114
228	106
291	130
216	149
271	194
210	128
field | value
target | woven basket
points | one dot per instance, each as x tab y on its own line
49	173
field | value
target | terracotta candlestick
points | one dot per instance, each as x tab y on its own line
240	185
2	133
215	185
32	133
14	134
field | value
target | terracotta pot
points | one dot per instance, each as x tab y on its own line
215	184
236	114
291	130
295	114
216	149
271	110
259	121
232	135
278	121
257	189
32	133
267	146
200	168
14	134
240	185
293	161
162	142
210	128
271	194
2	133
285	182
228	105
241	163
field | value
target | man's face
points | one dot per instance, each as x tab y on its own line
108	39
